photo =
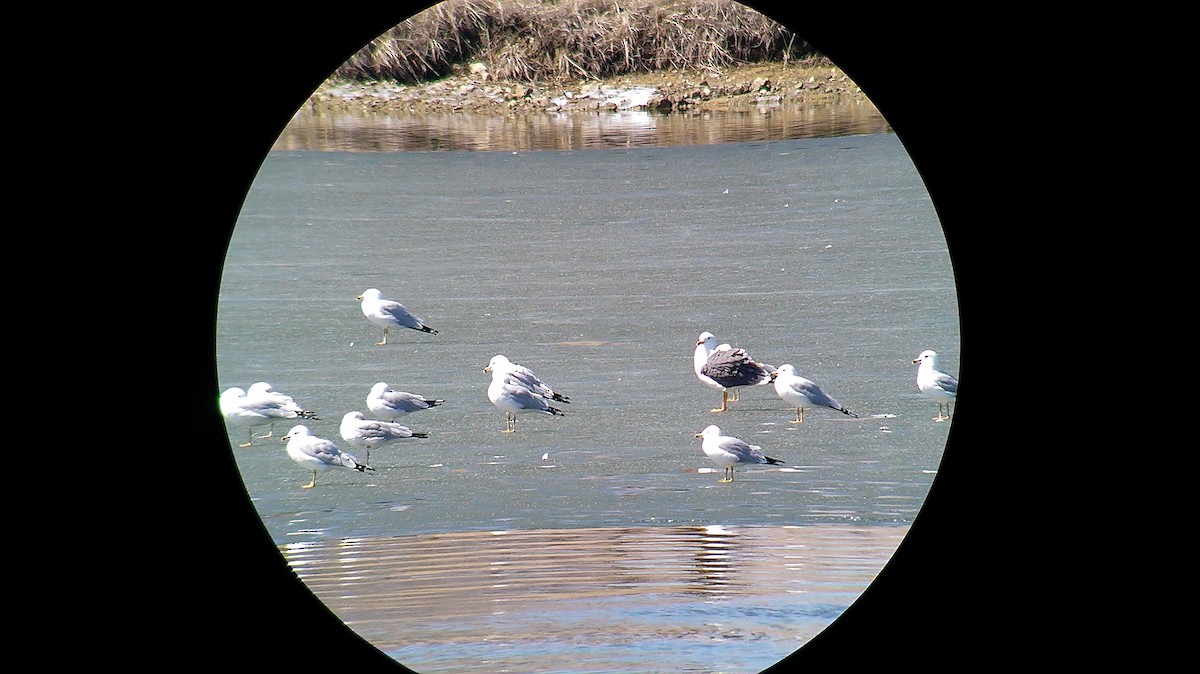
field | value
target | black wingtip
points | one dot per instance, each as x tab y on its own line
420	435
774	462
846	411
363	468
556	412
429	330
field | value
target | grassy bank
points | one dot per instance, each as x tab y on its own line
558	40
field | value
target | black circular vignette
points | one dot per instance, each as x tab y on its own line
227	597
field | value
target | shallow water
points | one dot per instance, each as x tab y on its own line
598	268
692	598
354	131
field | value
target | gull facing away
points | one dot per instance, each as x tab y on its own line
367	434
319	454
523	376
245	411
723	368
389	314
941	386
803	393
262	388
389	404
512	398
727	451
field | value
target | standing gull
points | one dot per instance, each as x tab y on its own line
388	404
727	451
942	387
511	398
318	454
388	314
367	434
803	393
722	367
523	376
262	388
245	411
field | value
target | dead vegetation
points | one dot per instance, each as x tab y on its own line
549	40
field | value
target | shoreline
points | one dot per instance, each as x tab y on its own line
472	90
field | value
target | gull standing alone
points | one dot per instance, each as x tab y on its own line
319	454
940	386
727	451
388	404
245	411
723	367
803	393
509	396
367	434
389	314
523	376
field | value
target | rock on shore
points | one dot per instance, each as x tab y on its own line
471	89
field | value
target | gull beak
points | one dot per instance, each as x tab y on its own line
359	298
916	360
698	435
488	368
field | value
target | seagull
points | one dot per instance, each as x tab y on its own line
389	314
523	376
722	367
803	393
317	454
245	411
262	388
367	434
727	451
940	386
389	404
508	395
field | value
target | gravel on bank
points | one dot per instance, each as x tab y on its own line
471	89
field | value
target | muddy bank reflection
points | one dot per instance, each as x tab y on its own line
366	131
601	599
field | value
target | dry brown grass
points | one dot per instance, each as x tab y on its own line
540	40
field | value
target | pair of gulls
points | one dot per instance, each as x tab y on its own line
262	405
516	389
725	368
387	405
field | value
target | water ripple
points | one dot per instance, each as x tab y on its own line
422	599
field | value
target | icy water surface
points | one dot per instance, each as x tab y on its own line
600	541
